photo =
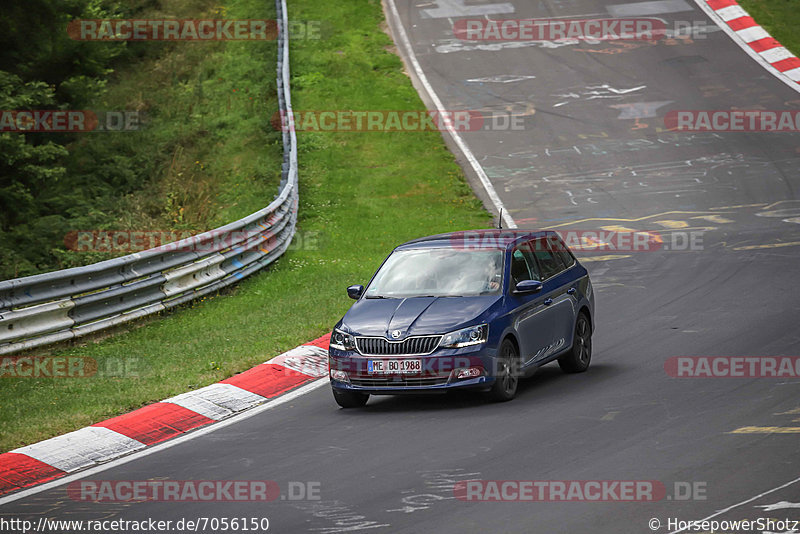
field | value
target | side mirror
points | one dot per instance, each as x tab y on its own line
528	286
354	292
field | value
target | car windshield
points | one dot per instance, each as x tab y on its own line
438	272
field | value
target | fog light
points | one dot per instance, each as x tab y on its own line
472	372
339	376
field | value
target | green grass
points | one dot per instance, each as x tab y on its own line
361	194
781	18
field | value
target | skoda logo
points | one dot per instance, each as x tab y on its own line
395	334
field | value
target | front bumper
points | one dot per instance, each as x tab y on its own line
439	373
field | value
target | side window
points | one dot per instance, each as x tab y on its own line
549	261
559	249
527	251
519	267
564	253
523	265
567	258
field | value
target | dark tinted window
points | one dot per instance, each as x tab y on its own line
519	267
566	257
549	259
523	266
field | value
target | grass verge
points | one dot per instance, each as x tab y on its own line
201	156
781	18
361	194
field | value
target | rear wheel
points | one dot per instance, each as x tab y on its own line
578	358
507	377
350	399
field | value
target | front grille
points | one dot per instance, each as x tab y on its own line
378	346
396	381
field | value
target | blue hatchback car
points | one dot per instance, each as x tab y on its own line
464	310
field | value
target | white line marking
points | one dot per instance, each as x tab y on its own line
616	91
750	52
751	499
504	78
167	444
487	185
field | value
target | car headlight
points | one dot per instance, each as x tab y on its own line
342	340
474	335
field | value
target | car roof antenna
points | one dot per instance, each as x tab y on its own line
500	220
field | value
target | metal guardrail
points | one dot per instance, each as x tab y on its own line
62	305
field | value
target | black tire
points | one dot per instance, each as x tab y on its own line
350	399
580	355
507	375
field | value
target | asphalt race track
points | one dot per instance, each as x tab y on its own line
594	153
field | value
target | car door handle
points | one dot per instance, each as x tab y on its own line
571	291
548	301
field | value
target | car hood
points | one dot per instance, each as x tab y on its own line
415	316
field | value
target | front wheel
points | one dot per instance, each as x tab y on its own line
507	377
350	399
578	358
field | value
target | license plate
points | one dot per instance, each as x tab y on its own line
402	367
